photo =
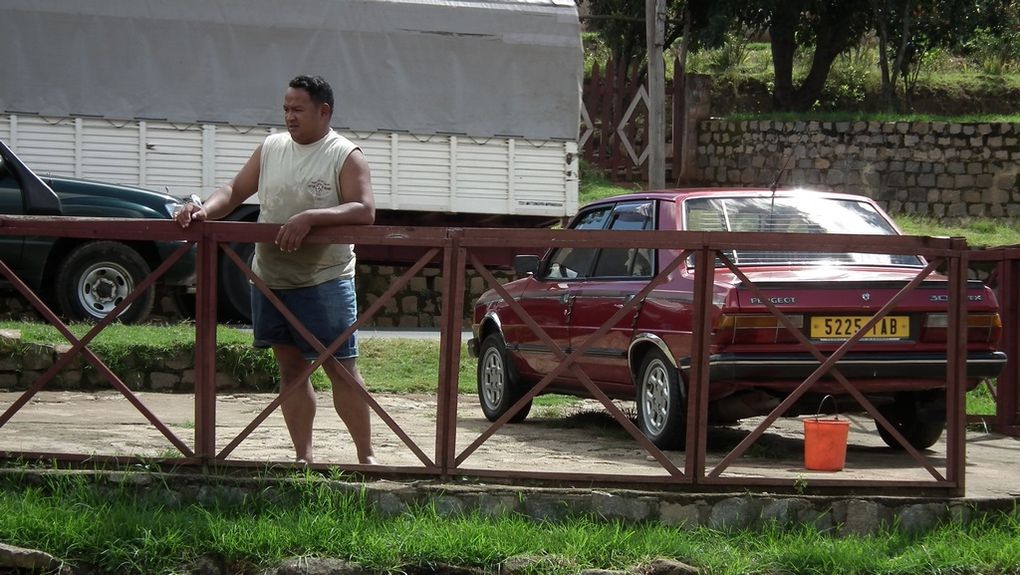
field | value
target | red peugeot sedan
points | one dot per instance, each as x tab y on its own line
754	360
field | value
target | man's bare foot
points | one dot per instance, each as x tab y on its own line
303	460
370	460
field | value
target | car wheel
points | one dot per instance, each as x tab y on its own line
661	403
234	287
97	276
499	388
920	417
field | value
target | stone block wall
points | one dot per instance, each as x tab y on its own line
943	170
419	303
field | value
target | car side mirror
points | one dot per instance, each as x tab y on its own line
524	265
37	197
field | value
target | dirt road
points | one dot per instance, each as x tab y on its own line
583	439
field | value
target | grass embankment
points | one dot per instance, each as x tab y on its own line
404	366
119	529
388	365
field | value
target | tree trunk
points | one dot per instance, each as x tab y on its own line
881	12
832	38
784	46
901	68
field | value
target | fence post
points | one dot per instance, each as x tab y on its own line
205	346
454	271
1007	410
697	102
956	369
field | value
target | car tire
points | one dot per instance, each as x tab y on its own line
661	403
499	387
919	417
234	288
97	276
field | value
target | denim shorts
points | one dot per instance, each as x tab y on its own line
326	310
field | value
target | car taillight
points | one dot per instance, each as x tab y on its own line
756	328
981	327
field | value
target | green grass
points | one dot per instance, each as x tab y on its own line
828	116
980	232
980	400
409	366
118	528
852	73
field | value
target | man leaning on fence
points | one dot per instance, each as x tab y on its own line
305	177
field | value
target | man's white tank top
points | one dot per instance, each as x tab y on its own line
293	178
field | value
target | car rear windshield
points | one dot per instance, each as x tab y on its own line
793	214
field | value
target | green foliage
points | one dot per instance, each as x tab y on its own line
994	52
731	56
980	400
945	38
620	25
848	83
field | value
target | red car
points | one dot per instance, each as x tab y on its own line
754	362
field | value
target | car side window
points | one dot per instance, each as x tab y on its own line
628	262
574	263
10	194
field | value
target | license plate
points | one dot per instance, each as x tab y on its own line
844	327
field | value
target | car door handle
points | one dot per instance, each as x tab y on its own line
626	300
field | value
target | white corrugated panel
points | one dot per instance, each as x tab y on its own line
174	158
234	145
47	144
423	167
483	175
540	178
110	151
378	151
436	173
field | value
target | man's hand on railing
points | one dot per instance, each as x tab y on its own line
191	210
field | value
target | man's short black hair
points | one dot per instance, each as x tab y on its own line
317	87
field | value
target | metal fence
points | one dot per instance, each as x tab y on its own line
457	442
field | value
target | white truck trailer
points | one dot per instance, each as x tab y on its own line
467	110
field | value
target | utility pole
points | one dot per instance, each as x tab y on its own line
655	31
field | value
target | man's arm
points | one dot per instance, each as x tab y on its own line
358	207
227	197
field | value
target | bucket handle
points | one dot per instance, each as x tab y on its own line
818	414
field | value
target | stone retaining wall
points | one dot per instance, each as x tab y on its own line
840	515
22	363
947	171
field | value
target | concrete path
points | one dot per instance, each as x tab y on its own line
581	439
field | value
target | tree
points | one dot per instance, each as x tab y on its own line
829	27
908	30
621	26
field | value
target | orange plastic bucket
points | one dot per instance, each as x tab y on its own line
825	443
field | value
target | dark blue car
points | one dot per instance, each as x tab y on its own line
84	279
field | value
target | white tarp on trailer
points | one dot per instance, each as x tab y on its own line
479	68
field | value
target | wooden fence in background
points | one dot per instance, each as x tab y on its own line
614	121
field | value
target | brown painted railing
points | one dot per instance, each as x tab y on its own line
455	250
1006	281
